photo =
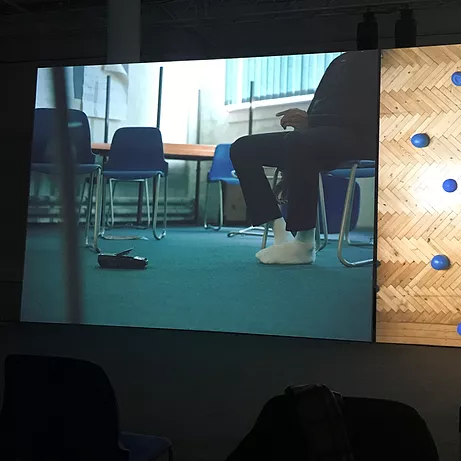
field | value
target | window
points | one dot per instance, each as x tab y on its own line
274	77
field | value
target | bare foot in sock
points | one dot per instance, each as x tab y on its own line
281	235
294	252
284	238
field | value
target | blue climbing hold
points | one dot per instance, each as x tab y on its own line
458	329
420	140
450	185
440	263
456	78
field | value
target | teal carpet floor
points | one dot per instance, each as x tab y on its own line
203	280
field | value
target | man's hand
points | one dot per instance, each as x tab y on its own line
295	118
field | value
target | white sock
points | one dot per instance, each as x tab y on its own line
294	252
281	235
301	250
307	237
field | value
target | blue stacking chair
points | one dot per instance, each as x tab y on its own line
44	163
136	155
220	173
59	408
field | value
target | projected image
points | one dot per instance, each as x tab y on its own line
419	199
245	187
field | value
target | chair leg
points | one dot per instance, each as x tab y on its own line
349	218
267	233
348	229
346	222
97	212
322	217
89	208
267	225
165	204
146	189
256	231
82	196
156	193
112	183
103	206
205	213
220	210
221	205
317	232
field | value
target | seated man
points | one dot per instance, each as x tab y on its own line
341	124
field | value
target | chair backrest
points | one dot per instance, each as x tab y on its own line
378	430
381	430
222	165
137	149
44	135
58	408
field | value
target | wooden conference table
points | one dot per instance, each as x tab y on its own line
192	152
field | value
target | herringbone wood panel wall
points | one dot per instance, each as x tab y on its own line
417	219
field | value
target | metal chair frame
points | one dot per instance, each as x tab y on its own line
206	225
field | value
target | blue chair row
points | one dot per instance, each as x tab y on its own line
136	155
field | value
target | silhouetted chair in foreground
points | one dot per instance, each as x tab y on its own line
58	409
378	430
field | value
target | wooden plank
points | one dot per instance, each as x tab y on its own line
416	218
171	150
413	333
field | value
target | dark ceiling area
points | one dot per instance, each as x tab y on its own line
202	28
11	7
192	12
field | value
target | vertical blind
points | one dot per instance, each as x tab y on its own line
274	77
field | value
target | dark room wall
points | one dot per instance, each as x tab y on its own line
204	390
